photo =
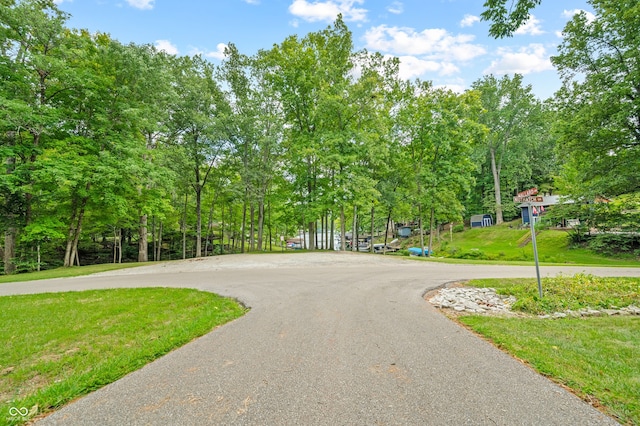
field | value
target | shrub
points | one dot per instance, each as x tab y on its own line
472	254
612	244
458	228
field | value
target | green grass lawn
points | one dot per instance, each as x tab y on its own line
597	357
59	346
507	243
73	271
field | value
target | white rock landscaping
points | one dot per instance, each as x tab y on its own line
472	300
487	301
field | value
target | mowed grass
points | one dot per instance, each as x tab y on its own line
59	346
506	242
597	357
74	271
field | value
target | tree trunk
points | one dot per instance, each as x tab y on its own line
260	223
354	234
421	231
303	243
386	232
326	231
75	227
143	243
354	237
76	237
154	235
232	236
269	226
222	227
159	248
115	245
431	223
496	183
198	221
332	235
119	245
312	236
244	221
252	229
184	227
9	250
210	228
343	230
372	228
11	231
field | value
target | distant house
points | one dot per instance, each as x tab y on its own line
404	231
481	220
538	207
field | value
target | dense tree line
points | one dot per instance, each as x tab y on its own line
104	143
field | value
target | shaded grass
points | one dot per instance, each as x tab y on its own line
57	347
597	357
74	271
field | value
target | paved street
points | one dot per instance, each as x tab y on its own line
331	339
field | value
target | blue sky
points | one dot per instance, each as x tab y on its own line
439	40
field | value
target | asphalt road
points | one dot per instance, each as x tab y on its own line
331	339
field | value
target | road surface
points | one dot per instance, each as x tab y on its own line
331	339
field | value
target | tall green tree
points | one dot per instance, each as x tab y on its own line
197	125
100	149
599	103
438	129
304	73
33	71
511	114
255	132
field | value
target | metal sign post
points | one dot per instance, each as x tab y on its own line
535	248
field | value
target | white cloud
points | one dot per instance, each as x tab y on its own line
570	13
215	54
412	67
456	88
141	4
531	27
328	10
62	1
252	1
166	46
435	43
396	8
527	60
218	53
469	20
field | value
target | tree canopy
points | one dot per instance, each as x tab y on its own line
506	16
599	129
115	152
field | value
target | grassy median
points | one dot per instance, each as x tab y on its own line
597	357
59	346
